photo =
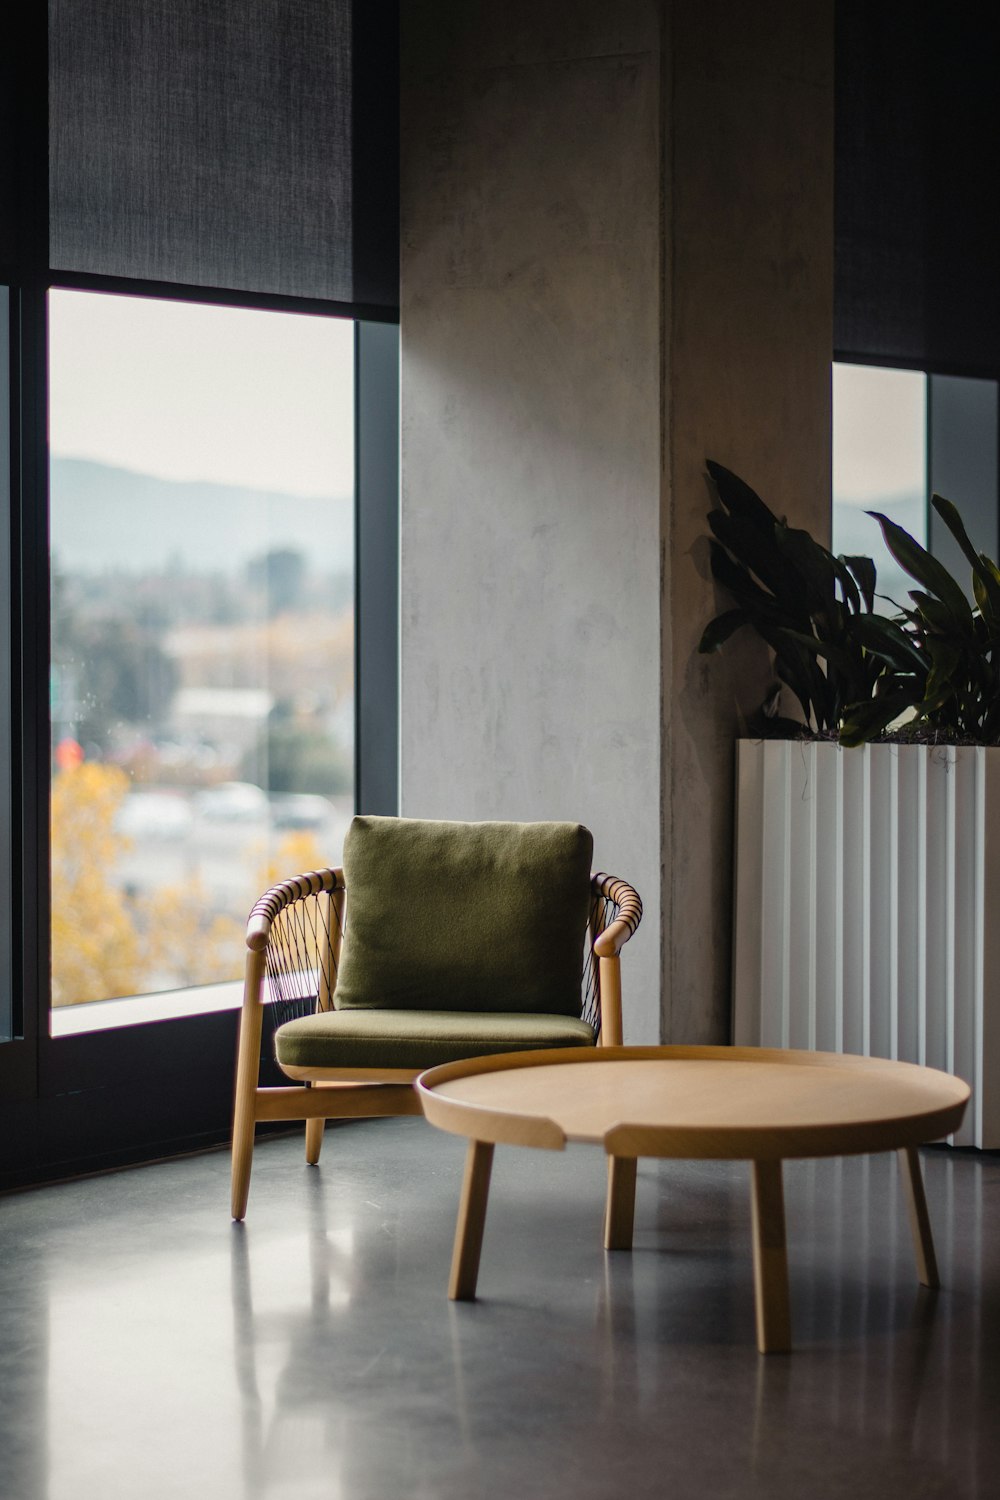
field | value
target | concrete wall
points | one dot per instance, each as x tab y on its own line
531	429
617	261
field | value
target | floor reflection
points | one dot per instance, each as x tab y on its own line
313	1351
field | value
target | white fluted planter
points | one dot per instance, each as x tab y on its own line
868	908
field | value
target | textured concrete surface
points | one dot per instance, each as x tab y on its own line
530	334
150	1349
617	262
749	334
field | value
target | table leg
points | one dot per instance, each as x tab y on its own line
770	1260
471	1222
920	1222
619	1213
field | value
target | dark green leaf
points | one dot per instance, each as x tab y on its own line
926	569
718	631
866	721
757	550
848	588
864	571
945	676
951	518
814	565
884	639
798	671
744	589
827	649
985	585
737	496
931	612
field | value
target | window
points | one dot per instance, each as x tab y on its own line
879	463
202	628
267	194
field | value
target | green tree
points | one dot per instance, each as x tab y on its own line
298	755
281	574
120	670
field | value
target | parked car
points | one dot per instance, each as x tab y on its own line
301	810
154	815
232	802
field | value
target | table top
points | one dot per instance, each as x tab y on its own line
707	1102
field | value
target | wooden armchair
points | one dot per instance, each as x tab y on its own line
350	1056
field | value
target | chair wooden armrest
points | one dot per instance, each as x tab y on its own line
628	913
616	912
278	897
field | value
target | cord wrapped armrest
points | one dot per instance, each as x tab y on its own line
627	914
275	900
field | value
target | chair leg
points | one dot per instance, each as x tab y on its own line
243	1134
314	1140
244	1112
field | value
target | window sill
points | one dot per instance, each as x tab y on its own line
141	1010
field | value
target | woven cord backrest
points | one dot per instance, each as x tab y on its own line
306	917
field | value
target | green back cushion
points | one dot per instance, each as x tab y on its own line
464	916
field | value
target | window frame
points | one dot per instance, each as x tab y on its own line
102	1099
95	1099
961	452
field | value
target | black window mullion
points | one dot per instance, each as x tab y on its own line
376	573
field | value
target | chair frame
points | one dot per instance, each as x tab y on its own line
357	1093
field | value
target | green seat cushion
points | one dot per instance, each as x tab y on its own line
418	1039
464	916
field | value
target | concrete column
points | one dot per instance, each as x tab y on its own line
616	232
748	335
530	346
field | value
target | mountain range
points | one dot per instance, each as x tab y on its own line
106	519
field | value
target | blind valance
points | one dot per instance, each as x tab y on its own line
917	214
250	145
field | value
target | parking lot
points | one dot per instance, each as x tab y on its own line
224	838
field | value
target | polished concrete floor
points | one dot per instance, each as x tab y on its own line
149	1348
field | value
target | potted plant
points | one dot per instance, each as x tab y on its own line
864	870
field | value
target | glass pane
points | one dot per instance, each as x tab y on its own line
879	463
202	681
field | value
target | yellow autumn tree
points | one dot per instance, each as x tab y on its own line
96	951
296	853
104	943
183	941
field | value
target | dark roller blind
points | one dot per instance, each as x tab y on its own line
240	144
22	146
917	167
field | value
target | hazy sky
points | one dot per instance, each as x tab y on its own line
879	433
186	391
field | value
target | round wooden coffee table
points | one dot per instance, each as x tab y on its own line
722	1103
